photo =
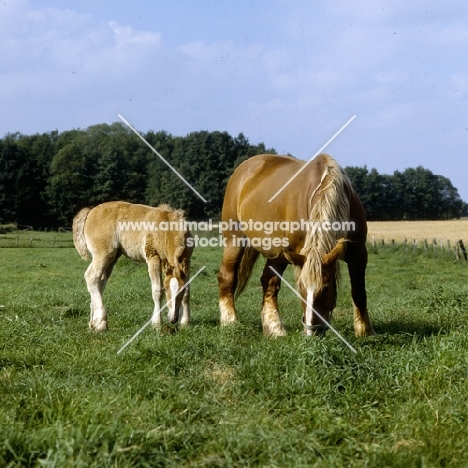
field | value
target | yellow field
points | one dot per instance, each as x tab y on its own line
452	230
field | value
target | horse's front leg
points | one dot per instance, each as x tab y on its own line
154	270
227	281
185	318
271	283
357	275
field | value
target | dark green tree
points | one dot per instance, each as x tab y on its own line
414	194
71	181
206	160
12	161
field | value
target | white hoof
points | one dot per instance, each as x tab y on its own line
228	321
274	330
98	326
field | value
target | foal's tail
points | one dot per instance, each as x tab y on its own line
78	233
245	268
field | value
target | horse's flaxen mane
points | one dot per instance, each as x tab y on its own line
332	205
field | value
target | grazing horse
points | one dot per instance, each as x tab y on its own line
157	236
316	220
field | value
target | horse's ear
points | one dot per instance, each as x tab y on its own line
166	266
294	258
337	251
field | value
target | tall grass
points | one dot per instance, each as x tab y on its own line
211	396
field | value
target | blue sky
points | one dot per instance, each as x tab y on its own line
286	73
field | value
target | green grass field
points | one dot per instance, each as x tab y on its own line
212	397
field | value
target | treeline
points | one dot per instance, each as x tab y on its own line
414	194
46	178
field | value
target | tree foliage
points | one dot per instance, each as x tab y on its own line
45	179
414	194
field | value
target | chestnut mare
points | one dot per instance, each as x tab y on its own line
321	196
119	228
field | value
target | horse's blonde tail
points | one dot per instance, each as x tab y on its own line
245	269
78	233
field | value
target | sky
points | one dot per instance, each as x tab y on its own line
287	73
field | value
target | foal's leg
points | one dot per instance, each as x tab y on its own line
106	275
185	318
357	272
154	270
227	280
271	321
95	283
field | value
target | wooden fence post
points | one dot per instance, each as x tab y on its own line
456	249
462	248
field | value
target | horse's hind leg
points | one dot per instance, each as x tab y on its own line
271	283
357	271
227	280
96	277
107	272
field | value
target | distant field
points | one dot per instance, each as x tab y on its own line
452	230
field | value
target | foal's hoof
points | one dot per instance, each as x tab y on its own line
225	321
99	326
274	331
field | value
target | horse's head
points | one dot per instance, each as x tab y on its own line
176	277
317	286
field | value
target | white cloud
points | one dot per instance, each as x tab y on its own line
279	72
127	39
53	51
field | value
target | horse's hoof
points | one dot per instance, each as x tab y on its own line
361	332
274	332
100	326
229	321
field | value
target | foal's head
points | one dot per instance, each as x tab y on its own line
176	275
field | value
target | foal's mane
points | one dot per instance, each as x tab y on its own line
332	204
174	244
